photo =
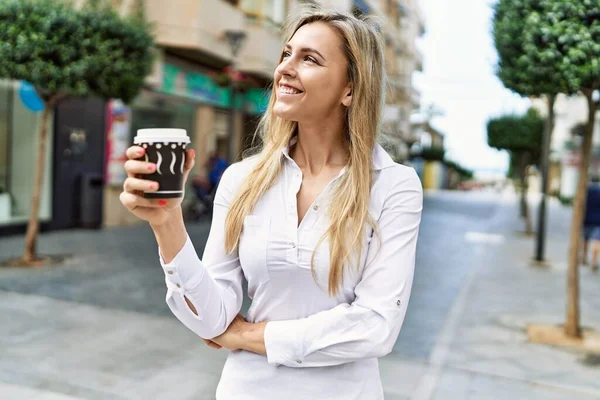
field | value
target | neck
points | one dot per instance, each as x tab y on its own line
320	146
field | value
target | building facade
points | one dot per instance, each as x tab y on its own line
190	87
565	148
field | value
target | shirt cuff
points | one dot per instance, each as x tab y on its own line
185	271
284	342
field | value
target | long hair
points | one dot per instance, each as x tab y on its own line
349	208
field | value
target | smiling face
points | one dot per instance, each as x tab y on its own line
311	82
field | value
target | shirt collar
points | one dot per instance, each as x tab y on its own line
380	158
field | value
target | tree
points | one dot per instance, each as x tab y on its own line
568	38
463	173
433	153
63	51
521	135
529	70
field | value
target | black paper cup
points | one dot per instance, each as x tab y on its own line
165	148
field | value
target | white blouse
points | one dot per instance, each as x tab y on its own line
318	347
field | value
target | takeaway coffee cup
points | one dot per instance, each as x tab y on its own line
165	148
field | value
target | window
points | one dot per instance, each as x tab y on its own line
18	149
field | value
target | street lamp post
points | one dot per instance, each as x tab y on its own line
235	39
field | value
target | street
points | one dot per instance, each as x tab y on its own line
97	327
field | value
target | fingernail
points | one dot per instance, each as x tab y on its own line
192	153
140	152
152	186
150	167
162	202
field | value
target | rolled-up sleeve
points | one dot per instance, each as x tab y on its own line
214	284
368	327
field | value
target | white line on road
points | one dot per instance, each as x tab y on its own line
485	238
427	385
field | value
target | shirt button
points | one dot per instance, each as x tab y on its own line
170	272
299	361
316	208
398	302
178	285
293	245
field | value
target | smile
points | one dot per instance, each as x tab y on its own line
287	90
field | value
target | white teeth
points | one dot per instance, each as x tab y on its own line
288	90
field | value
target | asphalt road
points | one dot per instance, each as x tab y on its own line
118	269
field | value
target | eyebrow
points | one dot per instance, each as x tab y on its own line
308	50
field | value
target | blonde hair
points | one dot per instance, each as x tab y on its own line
349	209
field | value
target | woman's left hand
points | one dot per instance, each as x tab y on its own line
231	338
243	335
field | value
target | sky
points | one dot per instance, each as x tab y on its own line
458	77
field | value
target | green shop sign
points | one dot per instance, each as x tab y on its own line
202	88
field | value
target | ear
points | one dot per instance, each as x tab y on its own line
347	99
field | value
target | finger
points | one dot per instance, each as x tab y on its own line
212	344
135	152
131	201
134	167
133	185
190	159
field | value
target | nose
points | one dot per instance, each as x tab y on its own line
286	68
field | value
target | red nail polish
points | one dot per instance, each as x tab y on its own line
192	153
162	202
150	167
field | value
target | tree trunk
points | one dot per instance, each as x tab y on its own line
29	254
520	168
524	160
572	327
541	227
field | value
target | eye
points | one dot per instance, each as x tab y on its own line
311	59
285	54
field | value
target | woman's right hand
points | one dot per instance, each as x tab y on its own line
155	211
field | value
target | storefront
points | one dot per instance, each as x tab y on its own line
19	121
187	98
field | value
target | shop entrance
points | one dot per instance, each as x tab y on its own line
78	163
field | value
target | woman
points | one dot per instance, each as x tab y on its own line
321	223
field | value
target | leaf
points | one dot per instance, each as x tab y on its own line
74	51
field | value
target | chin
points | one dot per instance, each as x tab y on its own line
284	112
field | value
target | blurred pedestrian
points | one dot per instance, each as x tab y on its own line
217	167
591	222
321	223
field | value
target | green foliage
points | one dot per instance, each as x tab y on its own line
570	34
64	51
548	46
517	133
432	153
526	66
462	171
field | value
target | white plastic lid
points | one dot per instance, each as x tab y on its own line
161	135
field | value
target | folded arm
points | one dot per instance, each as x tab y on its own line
368	327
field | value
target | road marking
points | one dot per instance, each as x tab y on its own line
428	384
485	238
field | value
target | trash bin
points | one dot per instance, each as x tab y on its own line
91	200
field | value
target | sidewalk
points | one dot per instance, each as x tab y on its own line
98	328
483	351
